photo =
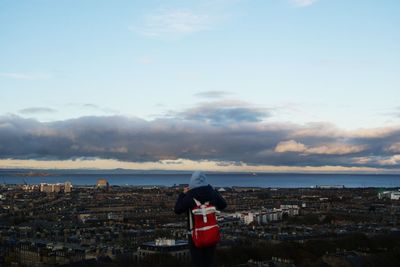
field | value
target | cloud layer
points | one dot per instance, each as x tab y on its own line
223	112
174	23
229	133
303	3
25	76
34	110
213	94
331	149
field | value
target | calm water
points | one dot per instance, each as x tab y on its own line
225	180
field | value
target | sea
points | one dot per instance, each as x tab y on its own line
159	178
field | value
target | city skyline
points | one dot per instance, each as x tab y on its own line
230	85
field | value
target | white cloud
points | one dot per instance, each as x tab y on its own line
174	23
290	146
25	76
177	164
373	132
394	148
320	129
378	160
363	160
303	3
333	149
393	160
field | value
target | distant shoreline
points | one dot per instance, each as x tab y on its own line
262	180
48	172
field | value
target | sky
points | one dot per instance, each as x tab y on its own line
230	85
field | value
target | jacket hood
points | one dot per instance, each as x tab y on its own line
198	179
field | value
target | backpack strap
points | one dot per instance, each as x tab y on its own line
190	222
203	208
198	203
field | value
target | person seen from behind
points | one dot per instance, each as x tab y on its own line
199	201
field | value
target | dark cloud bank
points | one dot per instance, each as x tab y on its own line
235	135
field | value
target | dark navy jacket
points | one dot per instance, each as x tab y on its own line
185	202
202	194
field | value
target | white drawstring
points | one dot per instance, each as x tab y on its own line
203	211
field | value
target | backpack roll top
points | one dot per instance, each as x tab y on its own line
204	229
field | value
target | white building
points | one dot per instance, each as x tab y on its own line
55	188
393	195
67	187
50	188
178	249
291	210
248	217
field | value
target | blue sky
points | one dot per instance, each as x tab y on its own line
288	63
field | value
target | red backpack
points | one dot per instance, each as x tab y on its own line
203	226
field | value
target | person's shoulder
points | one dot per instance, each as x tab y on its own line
201	190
